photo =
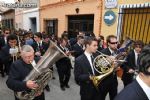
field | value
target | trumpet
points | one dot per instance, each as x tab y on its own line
14	52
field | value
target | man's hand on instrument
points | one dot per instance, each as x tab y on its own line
38	94
131	71
37	53
31	84
91	77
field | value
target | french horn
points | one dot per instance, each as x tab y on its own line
105	65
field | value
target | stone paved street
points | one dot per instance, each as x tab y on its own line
55	94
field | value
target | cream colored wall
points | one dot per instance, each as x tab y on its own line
45	2
61	12
19	19
107	30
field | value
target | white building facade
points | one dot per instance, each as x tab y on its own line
31	20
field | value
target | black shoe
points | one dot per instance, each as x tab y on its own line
62	88
53	78
67	86
3	75
47	88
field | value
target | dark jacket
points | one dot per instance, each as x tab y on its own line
82	72
130	63
132	92
78	50
18	72
41	48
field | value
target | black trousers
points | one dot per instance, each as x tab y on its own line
94	95
2	69
127	78
64	76
109	87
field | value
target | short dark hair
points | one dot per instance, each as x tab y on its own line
88	40
38	34
80	37
12	37
138	43
109	37
144	60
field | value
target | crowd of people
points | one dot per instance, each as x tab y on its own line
21	50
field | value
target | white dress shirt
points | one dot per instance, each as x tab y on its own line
144	86
90	60
136	57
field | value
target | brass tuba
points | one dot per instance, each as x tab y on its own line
41	72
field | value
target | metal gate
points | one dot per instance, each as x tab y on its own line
134	22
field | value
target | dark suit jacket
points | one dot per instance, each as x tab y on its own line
2	41
5	57
19	70
77	50
132	92
112	78
130	63
42	48
63	63
82	72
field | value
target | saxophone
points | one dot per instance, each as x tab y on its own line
41	72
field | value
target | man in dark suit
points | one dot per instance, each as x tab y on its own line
78	47
130	66
40	48
3	42
84	71
139	89
20	69
110	83
7	53
64	65
3	38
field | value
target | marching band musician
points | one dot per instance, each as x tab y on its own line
78	47
130	66
84	70
64	65
8	53
20	69
40	48
110	83
3	38
139	89
3	42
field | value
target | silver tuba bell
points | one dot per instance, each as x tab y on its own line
41	72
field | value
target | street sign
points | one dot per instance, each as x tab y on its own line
111	3
109	17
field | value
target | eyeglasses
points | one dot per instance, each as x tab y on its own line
113	42
6	33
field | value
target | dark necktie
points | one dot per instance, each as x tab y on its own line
92	59
136	63
81	46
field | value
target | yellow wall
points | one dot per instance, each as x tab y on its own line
61	12
107	30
